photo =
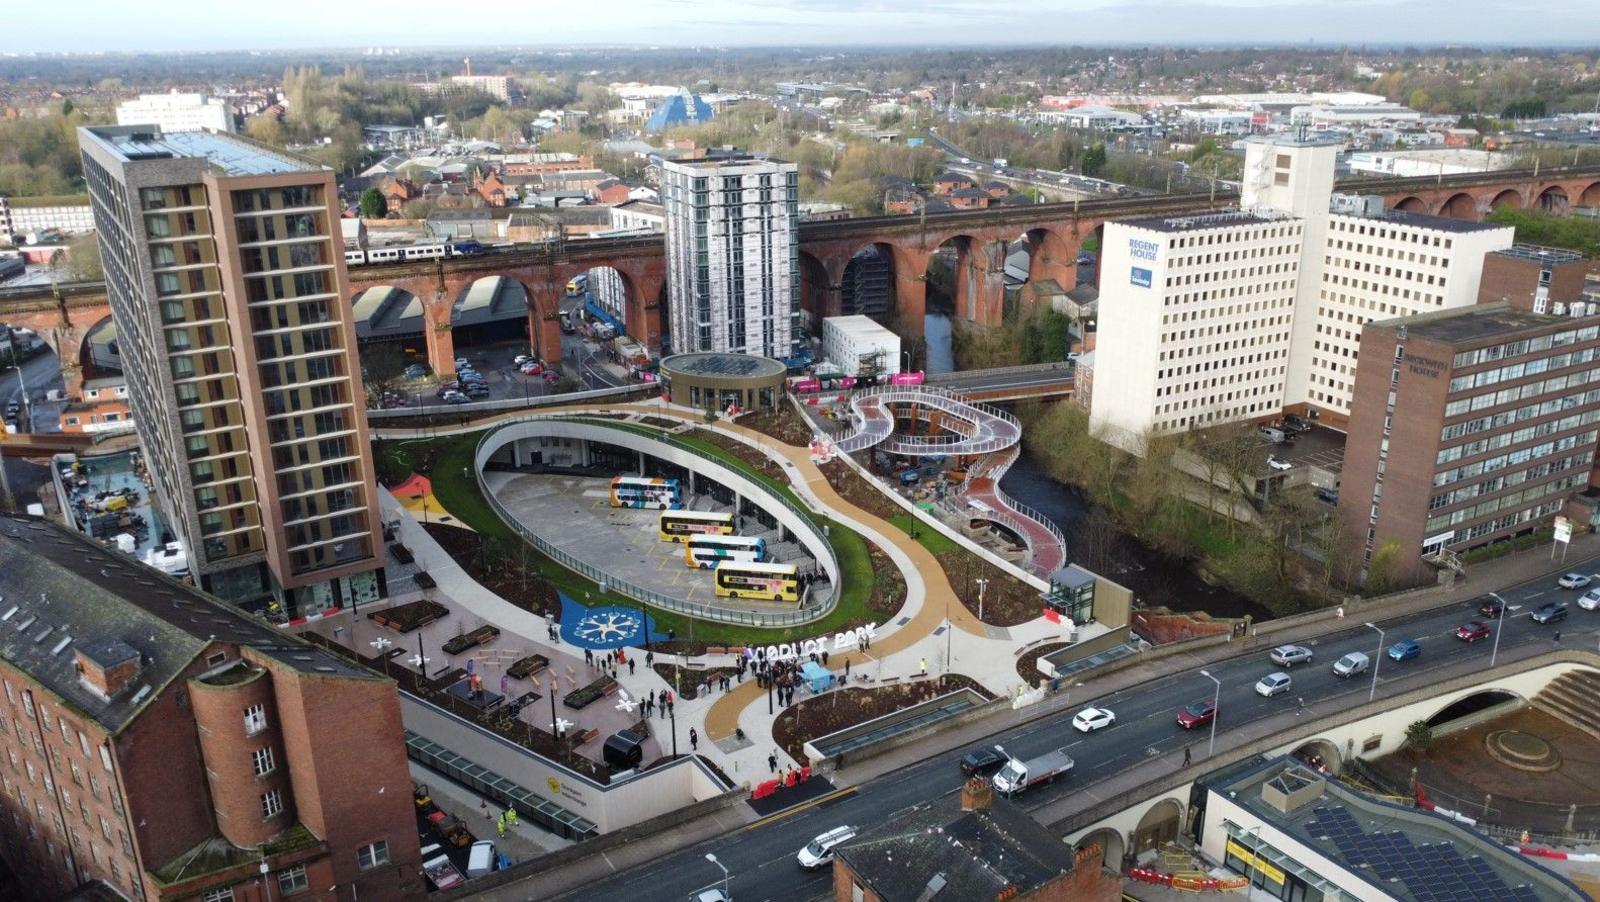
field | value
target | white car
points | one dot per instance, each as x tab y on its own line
1573	581
520	359
1273	684
1590	600
1090	719
819	851
461	362
1277	463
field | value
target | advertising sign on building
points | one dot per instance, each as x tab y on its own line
1140	277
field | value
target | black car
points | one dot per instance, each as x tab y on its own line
982	761
1492	607
1554	612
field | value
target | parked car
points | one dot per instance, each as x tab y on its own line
1278	463
462	362
1090	719
1590	600
1329	495
521	359
819	851
1273	684
981	761
1196	714
1405	649
1492	607
1290	655
1573	581
1472	631
1351	664
416	371
1554	612
467	378
476	390
447	388
533	368
455	397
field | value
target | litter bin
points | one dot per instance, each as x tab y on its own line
623	750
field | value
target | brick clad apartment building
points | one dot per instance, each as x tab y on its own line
1467	426
156	742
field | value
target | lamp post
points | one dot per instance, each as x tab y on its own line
713	859
982	584
1499	624
266	885
1216	698
1255	854
1377	661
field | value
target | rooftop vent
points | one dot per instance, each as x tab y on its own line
108	665
1292	788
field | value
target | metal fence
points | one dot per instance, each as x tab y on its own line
943	399
961	376
617	393
806	613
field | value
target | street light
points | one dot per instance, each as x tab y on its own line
1216	699
1255	854
713	859
982	584
1499	624
1377	661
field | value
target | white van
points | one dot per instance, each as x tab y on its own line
819	851
1351	664
480	862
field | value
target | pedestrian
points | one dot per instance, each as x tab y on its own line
772	762
847	670
1557	637
630	667
511	817
500	825
824	659
1300	705
1185	756
694	740
649	659
739	675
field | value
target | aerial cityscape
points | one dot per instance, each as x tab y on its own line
800	451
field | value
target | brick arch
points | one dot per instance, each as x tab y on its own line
1590	196
1411	204
1110	845
1161	823
1509	198
1051	255
85	356
1553	199
1460	205
819	290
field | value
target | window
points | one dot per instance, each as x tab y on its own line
255	719
293	880
271	804
262	761
218	895
372	855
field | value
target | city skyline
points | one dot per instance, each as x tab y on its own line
191	26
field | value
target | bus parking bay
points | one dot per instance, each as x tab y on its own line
574	513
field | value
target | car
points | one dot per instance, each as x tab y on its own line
476	390
1472	631
416	371
461	362
1590	600
1351	664
1196	714
470	378
1290	655
1090	719
1405	649
1278	463
1492	607
711	895
819	851
533	369
455	397
1554	612
1273	684
521	359
982	761
1331	496
447	388
551	377
1573	581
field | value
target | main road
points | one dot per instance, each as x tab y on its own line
761	856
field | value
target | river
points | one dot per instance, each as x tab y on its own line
1095	543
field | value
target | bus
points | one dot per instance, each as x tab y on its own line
705	551
771	582
578	284
680	526
640	491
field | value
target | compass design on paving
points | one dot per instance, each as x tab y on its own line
608	626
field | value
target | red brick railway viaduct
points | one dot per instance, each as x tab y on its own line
1055	233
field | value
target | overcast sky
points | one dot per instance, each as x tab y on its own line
157	25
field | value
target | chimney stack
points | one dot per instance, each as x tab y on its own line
977	794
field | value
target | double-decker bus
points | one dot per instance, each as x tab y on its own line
705	551
640	491
771	582
680	526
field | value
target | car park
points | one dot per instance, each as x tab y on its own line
1573	581
1405	649
1590	600
819	851
1196	714
981	761
1273	684
1473	631
1290	655
1554	612
1351	664
1090	719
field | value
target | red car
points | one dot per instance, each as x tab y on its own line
1472	632
1197	714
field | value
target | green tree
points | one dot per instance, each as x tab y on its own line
382	367
1419	735
1380	573
373	204
266	129
83	259
1094	160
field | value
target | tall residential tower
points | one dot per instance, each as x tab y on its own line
226	280
733	232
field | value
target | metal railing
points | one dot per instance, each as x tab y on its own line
875	429
958	376
808	612
441	409
1017	508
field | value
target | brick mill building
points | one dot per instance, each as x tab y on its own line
157	742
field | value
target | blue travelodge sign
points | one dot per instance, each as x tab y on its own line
1140	277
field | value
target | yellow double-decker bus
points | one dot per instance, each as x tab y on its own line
679	526
706	552
769	582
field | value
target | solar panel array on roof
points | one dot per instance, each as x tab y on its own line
1431	872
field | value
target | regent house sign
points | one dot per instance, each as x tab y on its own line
849	640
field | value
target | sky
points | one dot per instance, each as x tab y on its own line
188	25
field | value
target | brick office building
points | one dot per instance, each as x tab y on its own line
160	743
1467	426
1539	279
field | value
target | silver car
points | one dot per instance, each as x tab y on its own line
1290	655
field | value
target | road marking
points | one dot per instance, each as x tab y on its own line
803	806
